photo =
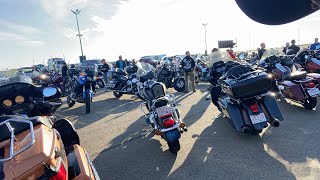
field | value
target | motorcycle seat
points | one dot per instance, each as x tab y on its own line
298	75
20	127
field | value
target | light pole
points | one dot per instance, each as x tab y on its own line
77	12
205	36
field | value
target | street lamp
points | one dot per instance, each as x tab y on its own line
205	36
77	12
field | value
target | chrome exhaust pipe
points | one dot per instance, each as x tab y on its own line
275	123
245	130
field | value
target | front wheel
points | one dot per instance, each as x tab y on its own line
174	147
88	102
310	103
179	85
117	94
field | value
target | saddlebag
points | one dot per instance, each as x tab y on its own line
293	90
249	87
78	164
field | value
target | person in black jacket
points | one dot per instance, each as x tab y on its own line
104	69
261	50
188	66
293	49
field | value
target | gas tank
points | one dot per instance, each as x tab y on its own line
281	72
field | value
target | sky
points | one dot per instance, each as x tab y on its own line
31	31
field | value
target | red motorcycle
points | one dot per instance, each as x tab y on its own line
299	87
307	60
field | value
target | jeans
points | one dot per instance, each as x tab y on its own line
105	79
186	78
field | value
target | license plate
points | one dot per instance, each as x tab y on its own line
164	111
314	92
255	119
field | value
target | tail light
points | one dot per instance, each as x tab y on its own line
61	174
311	85
254	108
168	123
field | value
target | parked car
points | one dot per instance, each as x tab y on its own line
28	71
90	63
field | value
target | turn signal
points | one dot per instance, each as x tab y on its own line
182	125
158	132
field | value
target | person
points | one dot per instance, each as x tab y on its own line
105	69
188	66
126	62
315	45
286	48
261	50
293	49
214	50
64	73
120	63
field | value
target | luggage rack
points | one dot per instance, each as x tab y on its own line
12	137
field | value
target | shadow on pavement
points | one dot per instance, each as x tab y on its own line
135	154
99	110
221	153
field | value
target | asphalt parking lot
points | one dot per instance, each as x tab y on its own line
123	147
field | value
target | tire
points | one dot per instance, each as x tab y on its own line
88	102
70	102
117	94
174	147
179	85
100	84
310	103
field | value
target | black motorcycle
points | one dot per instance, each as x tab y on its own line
124	82
169	76
161	113
244	97
83	86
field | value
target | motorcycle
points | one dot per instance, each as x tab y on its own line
82	88
100	80
244	95
307	60
161	112
33	143
123	82
299	87
170	76
64	85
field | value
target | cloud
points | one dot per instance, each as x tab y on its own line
20	39
18	27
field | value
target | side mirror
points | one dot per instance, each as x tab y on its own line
241	56
306	57
51	93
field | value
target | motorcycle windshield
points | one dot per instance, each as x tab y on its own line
216	57
271	52
144	69
302	50
16	79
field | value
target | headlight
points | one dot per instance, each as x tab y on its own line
43	76
7	103
19	99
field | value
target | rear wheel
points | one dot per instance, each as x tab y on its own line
88	102
179	85
174	147
117	94
310	103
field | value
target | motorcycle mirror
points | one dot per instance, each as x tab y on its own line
306	57
51	93
241	56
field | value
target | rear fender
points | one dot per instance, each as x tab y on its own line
271	107
172	136
247	112
233	112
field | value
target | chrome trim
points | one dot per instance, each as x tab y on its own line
12	139
95	173
172	128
